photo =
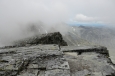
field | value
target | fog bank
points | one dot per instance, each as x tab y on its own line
18	16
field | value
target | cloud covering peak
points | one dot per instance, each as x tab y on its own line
15	15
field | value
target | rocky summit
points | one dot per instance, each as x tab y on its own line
50	38
53	59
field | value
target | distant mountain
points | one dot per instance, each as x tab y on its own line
96	35
76	35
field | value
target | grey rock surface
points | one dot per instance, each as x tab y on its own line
49	60
89	64
40	60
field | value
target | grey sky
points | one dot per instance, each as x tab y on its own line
54	11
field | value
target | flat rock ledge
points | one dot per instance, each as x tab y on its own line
41	60
53	60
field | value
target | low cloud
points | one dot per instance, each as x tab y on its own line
16	15
83	18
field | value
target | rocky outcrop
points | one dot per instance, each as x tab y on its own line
89	61
51	38
41	60
82	49
45	57
49	60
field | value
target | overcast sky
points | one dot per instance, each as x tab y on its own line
54	11
17	13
